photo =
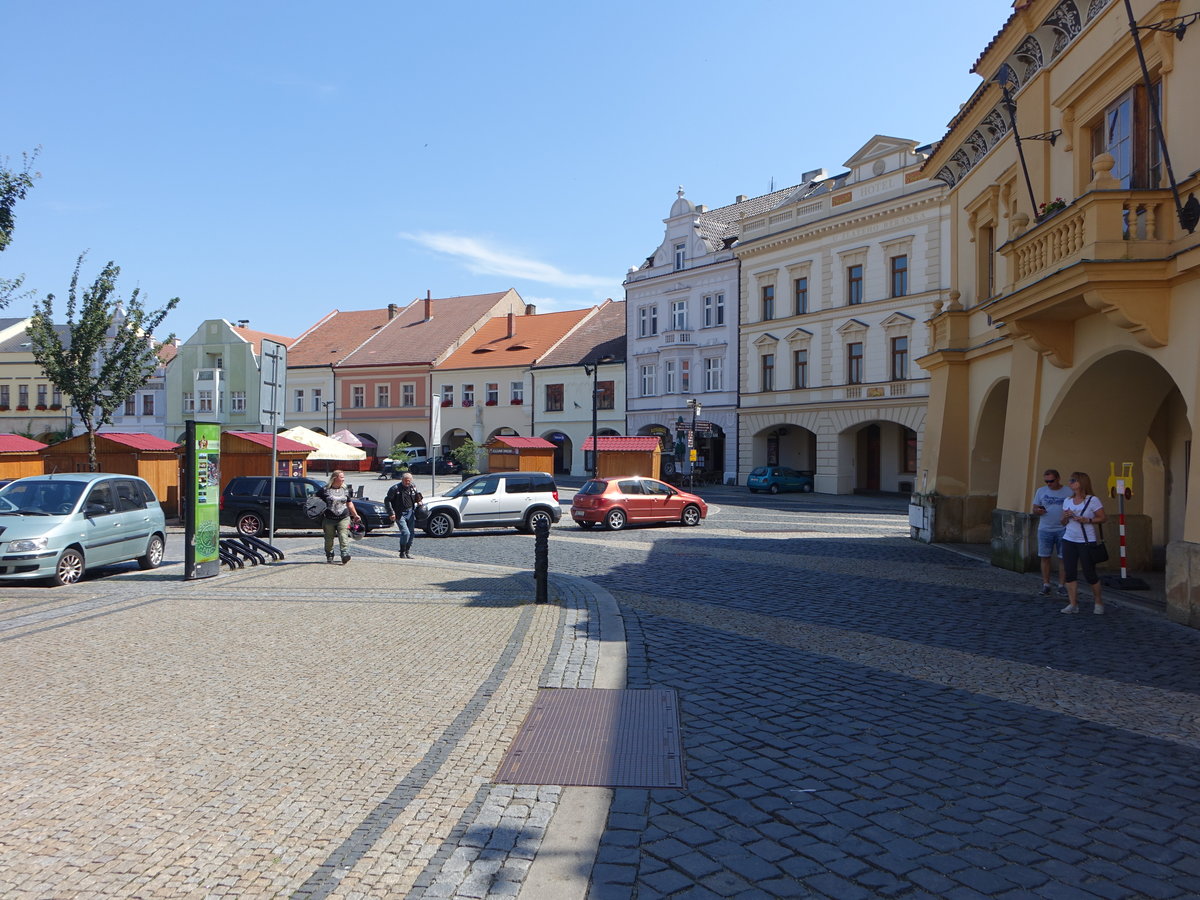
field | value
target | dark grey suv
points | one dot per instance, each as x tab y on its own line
246	504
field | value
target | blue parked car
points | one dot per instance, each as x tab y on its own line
779	478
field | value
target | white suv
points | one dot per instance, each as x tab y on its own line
519	499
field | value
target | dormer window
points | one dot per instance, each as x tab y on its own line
680	256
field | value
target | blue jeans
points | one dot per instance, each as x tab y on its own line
404	522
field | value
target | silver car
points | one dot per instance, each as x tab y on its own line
58	526
523	500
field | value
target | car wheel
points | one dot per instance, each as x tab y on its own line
250	523
806	488
691	515
440	525
68	569
154	553
615	520
586	525
774	489
535	519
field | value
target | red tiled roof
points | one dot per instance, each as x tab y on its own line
257	337
532	337
336	336
263	438
512	440
15	443
622	442
138	440
601	335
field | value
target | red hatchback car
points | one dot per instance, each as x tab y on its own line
616	502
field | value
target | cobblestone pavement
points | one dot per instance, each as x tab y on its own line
301	730
864	716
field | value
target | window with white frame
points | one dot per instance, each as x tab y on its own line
649	381
648	321
713	380
679	315
298	404
516	393
468	395
685	376
189	402
220	401
383	396
714	310
408	395
358	396
205	402
447	395
491	393
316	398
680	256
669	386
237	401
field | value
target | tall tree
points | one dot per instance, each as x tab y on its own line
14	185
108	350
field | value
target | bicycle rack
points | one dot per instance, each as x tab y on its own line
262	547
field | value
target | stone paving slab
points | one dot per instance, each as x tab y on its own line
298	730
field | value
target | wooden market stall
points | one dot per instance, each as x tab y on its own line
249	453
19	456
510	453
627	455
152	458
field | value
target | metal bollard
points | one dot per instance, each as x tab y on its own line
541	558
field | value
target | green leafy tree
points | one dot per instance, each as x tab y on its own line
108	350
467	455
14	184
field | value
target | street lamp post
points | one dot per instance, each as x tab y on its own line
694	405
594	371
327	404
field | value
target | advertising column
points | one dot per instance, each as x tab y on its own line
202	493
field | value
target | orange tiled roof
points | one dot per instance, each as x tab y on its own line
601	335
257	337
532	337
336	336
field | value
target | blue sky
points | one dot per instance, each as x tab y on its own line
271	161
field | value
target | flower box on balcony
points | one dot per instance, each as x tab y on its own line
56	406
40	407
516	402
22	409
489	403
446	403
468	403
4	408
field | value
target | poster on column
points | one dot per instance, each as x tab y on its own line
202	474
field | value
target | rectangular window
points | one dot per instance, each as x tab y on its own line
131	406
408	395
41	395
383	396
298	404
800	365
854	362
714	310
987	263
606	395
205	404
680	256
768	372
801	290
220	401
447	395
648	321
768	302
649	381
899	358
491	393
709	317
900	276
516	394
712	374
23	395
237	401
720	309
189	402
669	386
468	395
4	395
554	398
56	397
148	404
1125	131
358	397
316	398
679	315
685	376
854	285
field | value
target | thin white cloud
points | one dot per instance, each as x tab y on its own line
483	259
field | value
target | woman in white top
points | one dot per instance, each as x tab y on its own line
1081	514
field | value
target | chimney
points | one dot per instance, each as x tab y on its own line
392	310
530	309
512	325
428	305
741	198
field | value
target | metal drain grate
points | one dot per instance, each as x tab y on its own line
597	738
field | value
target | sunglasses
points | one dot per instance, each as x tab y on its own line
1051	480
1072	481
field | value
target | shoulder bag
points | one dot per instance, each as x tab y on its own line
1097	550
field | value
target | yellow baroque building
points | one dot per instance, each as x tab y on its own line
1071	339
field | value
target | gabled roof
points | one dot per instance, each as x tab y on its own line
16	443
533	336
336	336
263	439
21	342
726	221
601	335
257	337
137	440
411	339
624	443
512	440
166	352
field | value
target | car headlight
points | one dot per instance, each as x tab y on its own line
29	544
